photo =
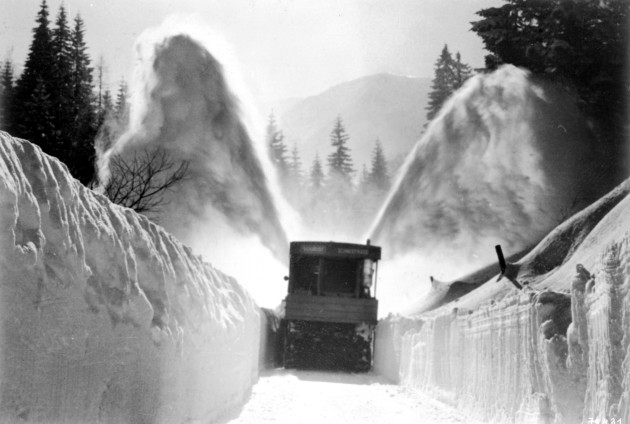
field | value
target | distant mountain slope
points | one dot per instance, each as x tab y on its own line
384	106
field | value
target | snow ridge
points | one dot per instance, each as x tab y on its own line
104	316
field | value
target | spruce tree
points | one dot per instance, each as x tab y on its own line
6	95
379	175
292	183
81	70
121	107
340	161
441	84
100	88
53	104
120	114
295	166
106	109
40	119
84	125
317	174
61	89
108	129
276	147
33	83
450	75
462	72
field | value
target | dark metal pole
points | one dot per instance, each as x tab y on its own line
502	263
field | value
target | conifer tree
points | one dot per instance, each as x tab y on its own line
108	128
120	113
276	147
106	109
295	166
379	175
121	107
365	182
6	94
100	86
449	76
81	70
104	104
317	174
441	84
61	90
53	105
292	183
40	119
108	102
462	72
340	161
84	125
33	84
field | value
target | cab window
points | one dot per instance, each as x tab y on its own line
304	274
340	276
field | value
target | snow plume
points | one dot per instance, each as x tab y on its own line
184	102
505	161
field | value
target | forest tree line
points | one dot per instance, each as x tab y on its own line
58	102
328	193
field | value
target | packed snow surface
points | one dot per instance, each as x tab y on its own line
104	316
309	397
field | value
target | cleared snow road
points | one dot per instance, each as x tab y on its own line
327	398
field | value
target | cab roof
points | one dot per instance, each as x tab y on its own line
331	249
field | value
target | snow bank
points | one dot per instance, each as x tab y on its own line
105	317
556	352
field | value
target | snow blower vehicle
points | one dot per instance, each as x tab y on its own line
330	309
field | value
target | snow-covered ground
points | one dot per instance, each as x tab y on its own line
309	397
556	352
104	316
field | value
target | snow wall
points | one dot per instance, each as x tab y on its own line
556	352
104	316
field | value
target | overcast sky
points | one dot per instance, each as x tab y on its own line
286	48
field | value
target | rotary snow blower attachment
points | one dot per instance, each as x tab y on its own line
330	308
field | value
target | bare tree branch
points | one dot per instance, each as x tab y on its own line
140	182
